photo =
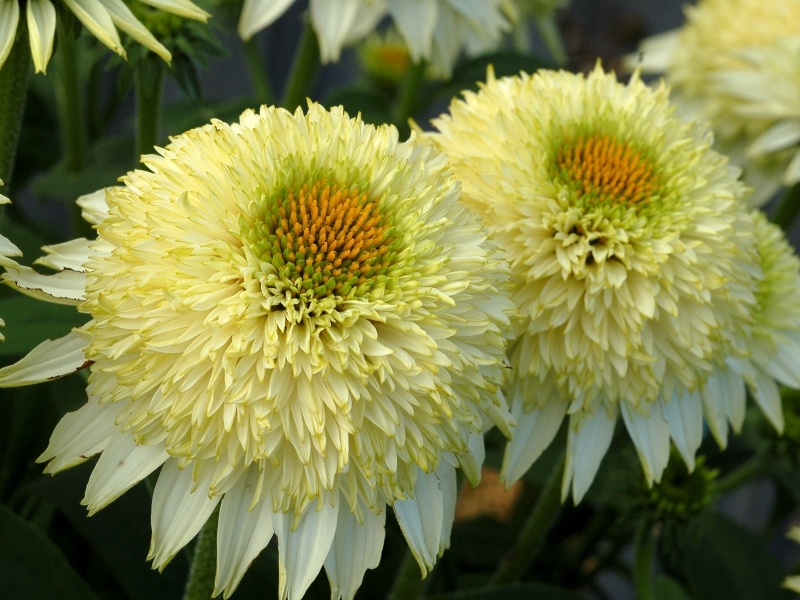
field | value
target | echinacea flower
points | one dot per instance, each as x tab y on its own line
434	30
7	250
293	315
101	17
631	252
727	63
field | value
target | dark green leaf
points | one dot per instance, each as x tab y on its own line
373	107
29	322
521	591
669	589
39	569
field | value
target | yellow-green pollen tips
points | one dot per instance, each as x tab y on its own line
605	171
326	238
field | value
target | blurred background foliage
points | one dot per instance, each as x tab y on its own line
717	533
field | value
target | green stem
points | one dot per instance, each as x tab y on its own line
257	69
739	476
14	78
409	96
304	68
788	208
408	584
552	38
534	532
148	81
200	584
69	101
643	562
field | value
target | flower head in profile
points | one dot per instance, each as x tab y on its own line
434	30
7	250
101	17
733	62
631	253
295	318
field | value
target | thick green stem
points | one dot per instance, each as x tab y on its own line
148	81
643	565
534	533
14	78
200	584
741	475
304	68
409	96
257	69
552	38
788	208
408	585
69	101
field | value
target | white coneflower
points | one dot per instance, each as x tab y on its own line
293	315
632	255
101	17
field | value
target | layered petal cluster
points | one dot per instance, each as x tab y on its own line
296	318
101	17
434	30
735	62
7	250
633	257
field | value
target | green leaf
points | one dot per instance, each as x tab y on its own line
29	322
726	562
667	588
520	591
34	567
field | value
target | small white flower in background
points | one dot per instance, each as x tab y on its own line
736	63
7	250
101	17
296	319
434	30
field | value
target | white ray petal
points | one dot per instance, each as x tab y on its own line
258	14
734	403
177	514
449	486
8	249
792	173
421	519
64	287
70	255
768	397
355	549
182	8
655	53
534	433
587	444
332	20
472	460
80	435
779	136
94	205
650	435
242	533
123	18
416	20
97	20
303	551
49	360
684	413
122	465
9	19
716	388
785	364
41	17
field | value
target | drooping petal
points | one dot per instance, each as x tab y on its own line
472	460
650	435
332	20
416	20
123	464
80	435
182	8
449	486
64	287
9	19
781	135
123	18
421	519
177	514
684	413
355	549
243	532
41	16
49	360
69	255
97	20
768	397
533	434
258	14
303	550
587	444
716	387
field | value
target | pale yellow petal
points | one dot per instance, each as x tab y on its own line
41	31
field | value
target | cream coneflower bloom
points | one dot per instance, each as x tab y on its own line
435	30
101	17
725	37
293	315
7	250
631	252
